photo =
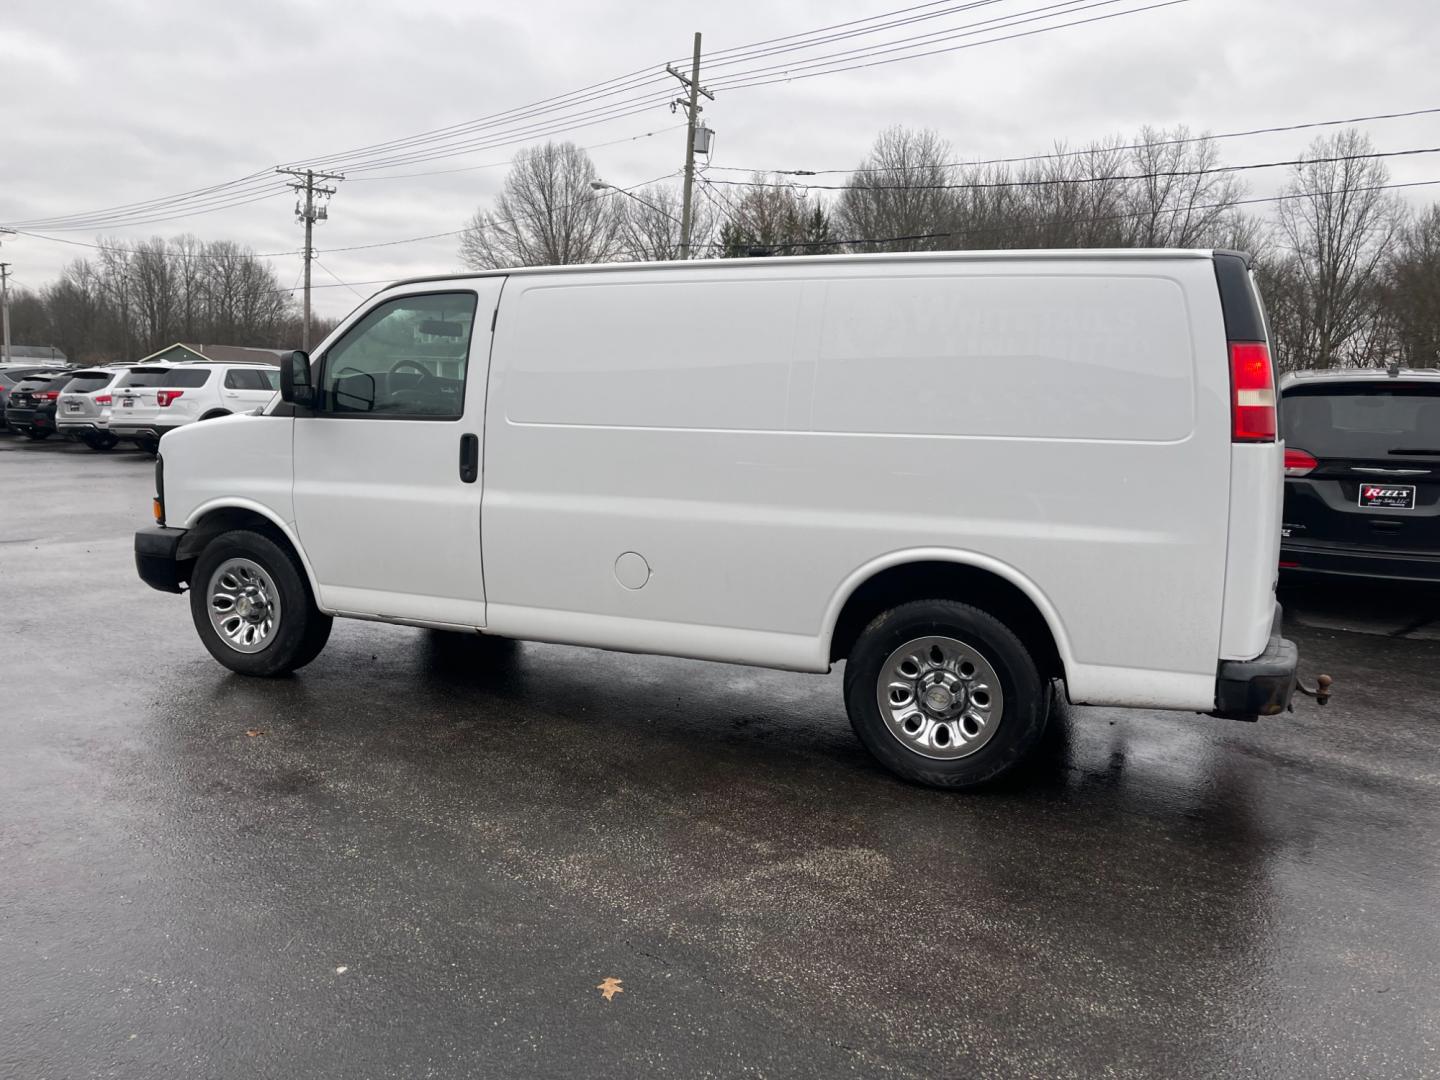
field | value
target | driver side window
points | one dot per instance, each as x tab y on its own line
405	359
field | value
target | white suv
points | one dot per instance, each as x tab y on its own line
151	400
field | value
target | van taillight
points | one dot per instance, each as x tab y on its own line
102	399
164	397
1252	384
1299	463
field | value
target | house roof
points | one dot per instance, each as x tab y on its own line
226	354
36	352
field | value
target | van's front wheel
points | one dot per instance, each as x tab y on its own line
252	606
944	694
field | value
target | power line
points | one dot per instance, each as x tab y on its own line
815	41
1063	154
980	26
1051	181
948	49
511	161
498	221
346	284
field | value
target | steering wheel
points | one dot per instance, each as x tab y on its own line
413	365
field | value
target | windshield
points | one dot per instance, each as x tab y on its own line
1362	420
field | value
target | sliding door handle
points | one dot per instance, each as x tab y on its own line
469	458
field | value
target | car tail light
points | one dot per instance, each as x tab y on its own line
102	399
1252	383
1299	463
51	395
163	398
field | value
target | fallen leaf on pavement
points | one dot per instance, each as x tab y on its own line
610	987
254	731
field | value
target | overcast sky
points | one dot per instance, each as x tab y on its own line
114	102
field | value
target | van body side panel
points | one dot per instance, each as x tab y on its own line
758	435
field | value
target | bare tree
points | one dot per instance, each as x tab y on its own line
1412	292
650	223
1335	227
773	218
548	214
901	189
1177	198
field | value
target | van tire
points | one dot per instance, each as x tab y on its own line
971	638
301	630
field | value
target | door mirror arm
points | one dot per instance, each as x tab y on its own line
297	386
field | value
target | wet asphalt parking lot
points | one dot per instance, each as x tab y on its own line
421	856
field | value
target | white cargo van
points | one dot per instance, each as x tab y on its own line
963	474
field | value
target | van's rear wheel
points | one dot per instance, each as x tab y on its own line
252	606
944	694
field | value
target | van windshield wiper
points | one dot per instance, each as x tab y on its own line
1417	451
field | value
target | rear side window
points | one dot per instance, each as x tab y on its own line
176	377
252	379
86	382
1363	420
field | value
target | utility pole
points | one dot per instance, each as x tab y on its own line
309	213
5	303
691	105
5	310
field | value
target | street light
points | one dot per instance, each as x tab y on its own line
600	185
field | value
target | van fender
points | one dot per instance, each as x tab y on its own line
233	503
864	573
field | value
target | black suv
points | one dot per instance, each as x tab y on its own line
1362	474
30	404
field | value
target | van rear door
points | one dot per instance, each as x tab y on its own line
1362	463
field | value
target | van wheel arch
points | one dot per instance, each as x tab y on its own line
213	413
229	519
937	579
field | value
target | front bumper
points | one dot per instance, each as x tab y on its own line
1348	560
157	560
1249	689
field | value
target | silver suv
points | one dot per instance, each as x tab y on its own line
83	410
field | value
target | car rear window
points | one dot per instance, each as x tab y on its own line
177	377
1373	420
86	381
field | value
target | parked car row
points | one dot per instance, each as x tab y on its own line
103	406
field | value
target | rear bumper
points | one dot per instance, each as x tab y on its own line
157	558
1352	561
139	429
1248	689
79	427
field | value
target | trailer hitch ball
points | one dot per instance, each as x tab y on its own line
1321	693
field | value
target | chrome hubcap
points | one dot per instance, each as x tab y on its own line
244	605
940	697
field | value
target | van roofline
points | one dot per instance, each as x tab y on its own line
1019	254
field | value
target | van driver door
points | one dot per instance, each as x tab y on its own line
388	464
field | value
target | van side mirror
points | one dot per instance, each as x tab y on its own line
296	386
